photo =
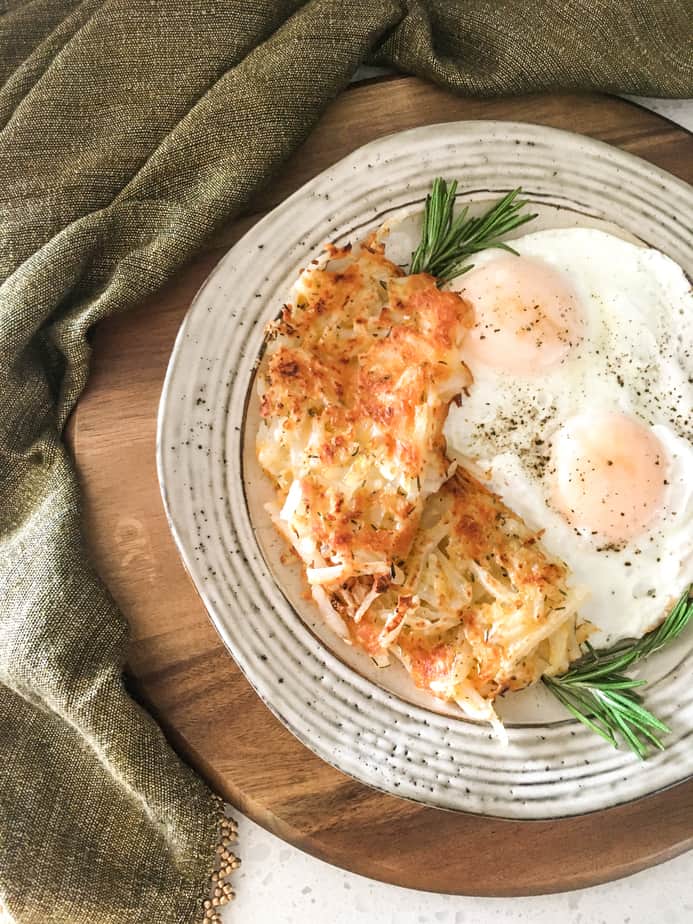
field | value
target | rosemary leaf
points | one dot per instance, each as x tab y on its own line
447	241
598	694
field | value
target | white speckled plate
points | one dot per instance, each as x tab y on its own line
370	723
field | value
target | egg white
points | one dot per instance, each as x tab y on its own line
634	358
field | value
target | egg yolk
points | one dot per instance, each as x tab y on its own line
526	315
609	475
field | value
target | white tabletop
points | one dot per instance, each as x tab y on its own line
278	884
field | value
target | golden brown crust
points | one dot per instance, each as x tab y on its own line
354	396
362	366
478	588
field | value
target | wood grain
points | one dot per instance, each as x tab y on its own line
177	663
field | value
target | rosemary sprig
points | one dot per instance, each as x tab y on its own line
447	242
597	692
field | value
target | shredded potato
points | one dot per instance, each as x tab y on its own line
403	554
361	369
482	610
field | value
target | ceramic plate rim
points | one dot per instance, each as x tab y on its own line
166	472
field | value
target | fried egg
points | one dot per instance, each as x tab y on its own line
581	410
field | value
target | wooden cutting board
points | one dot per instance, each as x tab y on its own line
178	666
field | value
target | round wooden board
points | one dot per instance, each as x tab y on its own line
177	664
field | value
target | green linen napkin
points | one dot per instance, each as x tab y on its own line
130	131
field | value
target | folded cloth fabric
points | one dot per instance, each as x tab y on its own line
130	131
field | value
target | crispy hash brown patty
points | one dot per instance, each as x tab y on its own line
481	609
400	557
